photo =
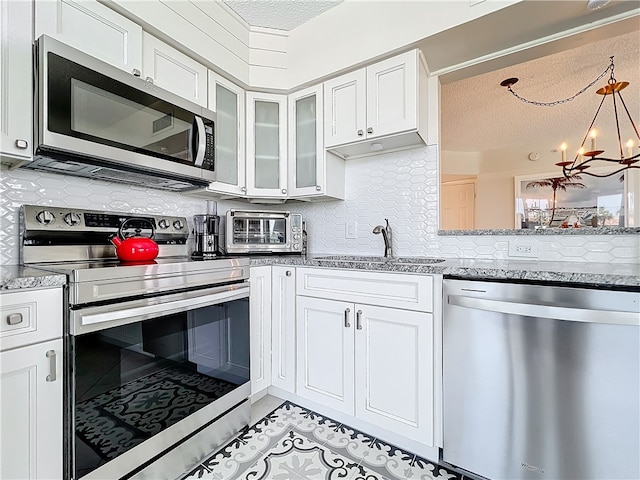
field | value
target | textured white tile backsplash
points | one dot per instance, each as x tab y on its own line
400	186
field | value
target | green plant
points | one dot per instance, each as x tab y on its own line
556	183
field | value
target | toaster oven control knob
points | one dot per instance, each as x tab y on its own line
178	225
296	246
45	217
163	224
72	219
296	236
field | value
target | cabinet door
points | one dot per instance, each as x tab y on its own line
266	145
283	336
31	416
227	100
16	107
392	95
344	107
260	318
306	143
173	70
324	335
394	370
93	28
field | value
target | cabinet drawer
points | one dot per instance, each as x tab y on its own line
409	292
30	316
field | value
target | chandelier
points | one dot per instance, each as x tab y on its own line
586	159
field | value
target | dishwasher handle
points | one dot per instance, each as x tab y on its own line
547	311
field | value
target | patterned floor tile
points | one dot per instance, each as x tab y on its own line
293	443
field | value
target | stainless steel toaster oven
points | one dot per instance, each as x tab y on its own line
263	231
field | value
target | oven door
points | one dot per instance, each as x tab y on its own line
148	373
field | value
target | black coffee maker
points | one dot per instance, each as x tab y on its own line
206	229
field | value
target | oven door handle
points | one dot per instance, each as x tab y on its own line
91	322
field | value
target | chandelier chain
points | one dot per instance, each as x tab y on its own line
568	99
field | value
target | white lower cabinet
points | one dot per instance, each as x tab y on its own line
31	385
283	328
260	327
373	362
272	311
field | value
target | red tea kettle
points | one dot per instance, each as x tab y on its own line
136	248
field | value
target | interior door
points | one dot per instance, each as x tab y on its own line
458	206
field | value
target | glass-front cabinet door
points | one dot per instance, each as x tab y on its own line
227	100
306	152
266	145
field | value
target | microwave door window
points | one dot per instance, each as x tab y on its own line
85	104
102	114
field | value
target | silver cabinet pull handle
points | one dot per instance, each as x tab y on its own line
21	144
360	133
346	318
51	355
136	72
318	188
284	191
288	273
370	130
243	189
149	79
359	319
14	318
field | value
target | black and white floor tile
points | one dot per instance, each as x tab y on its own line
293	443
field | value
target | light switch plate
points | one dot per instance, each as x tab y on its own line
350	231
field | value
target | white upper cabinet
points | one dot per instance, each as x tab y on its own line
173	70
227	100
93	28
266	145
16	106
380	108
313	173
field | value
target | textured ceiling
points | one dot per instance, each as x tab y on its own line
280	14
477	114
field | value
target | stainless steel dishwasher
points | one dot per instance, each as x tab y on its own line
541	382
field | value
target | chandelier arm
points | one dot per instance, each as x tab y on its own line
603	175
629	115
589	129
615	111
569	171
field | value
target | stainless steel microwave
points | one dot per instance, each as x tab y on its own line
263	231
95	120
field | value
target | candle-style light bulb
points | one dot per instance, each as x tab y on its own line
563	147
630	148
593	140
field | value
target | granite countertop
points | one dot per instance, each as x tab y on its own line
585	274
16	277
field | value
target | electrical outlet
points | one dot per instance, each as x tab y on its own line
523	248
350	231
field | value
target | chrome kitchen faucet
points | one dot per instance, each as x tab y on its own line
386	236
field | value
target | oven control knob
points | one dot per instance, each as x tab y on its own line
45	217
164	223
296	246
72	219
178	225
296	236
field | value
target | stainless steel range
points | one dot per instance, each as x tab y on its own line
156	353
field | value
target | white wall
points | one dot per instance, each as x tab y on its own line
401	186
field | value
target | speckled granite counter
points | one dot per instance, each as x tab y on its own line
16	277
585	274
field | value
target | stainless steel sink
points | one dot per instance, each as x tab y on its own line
352	259
379	260
416	260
